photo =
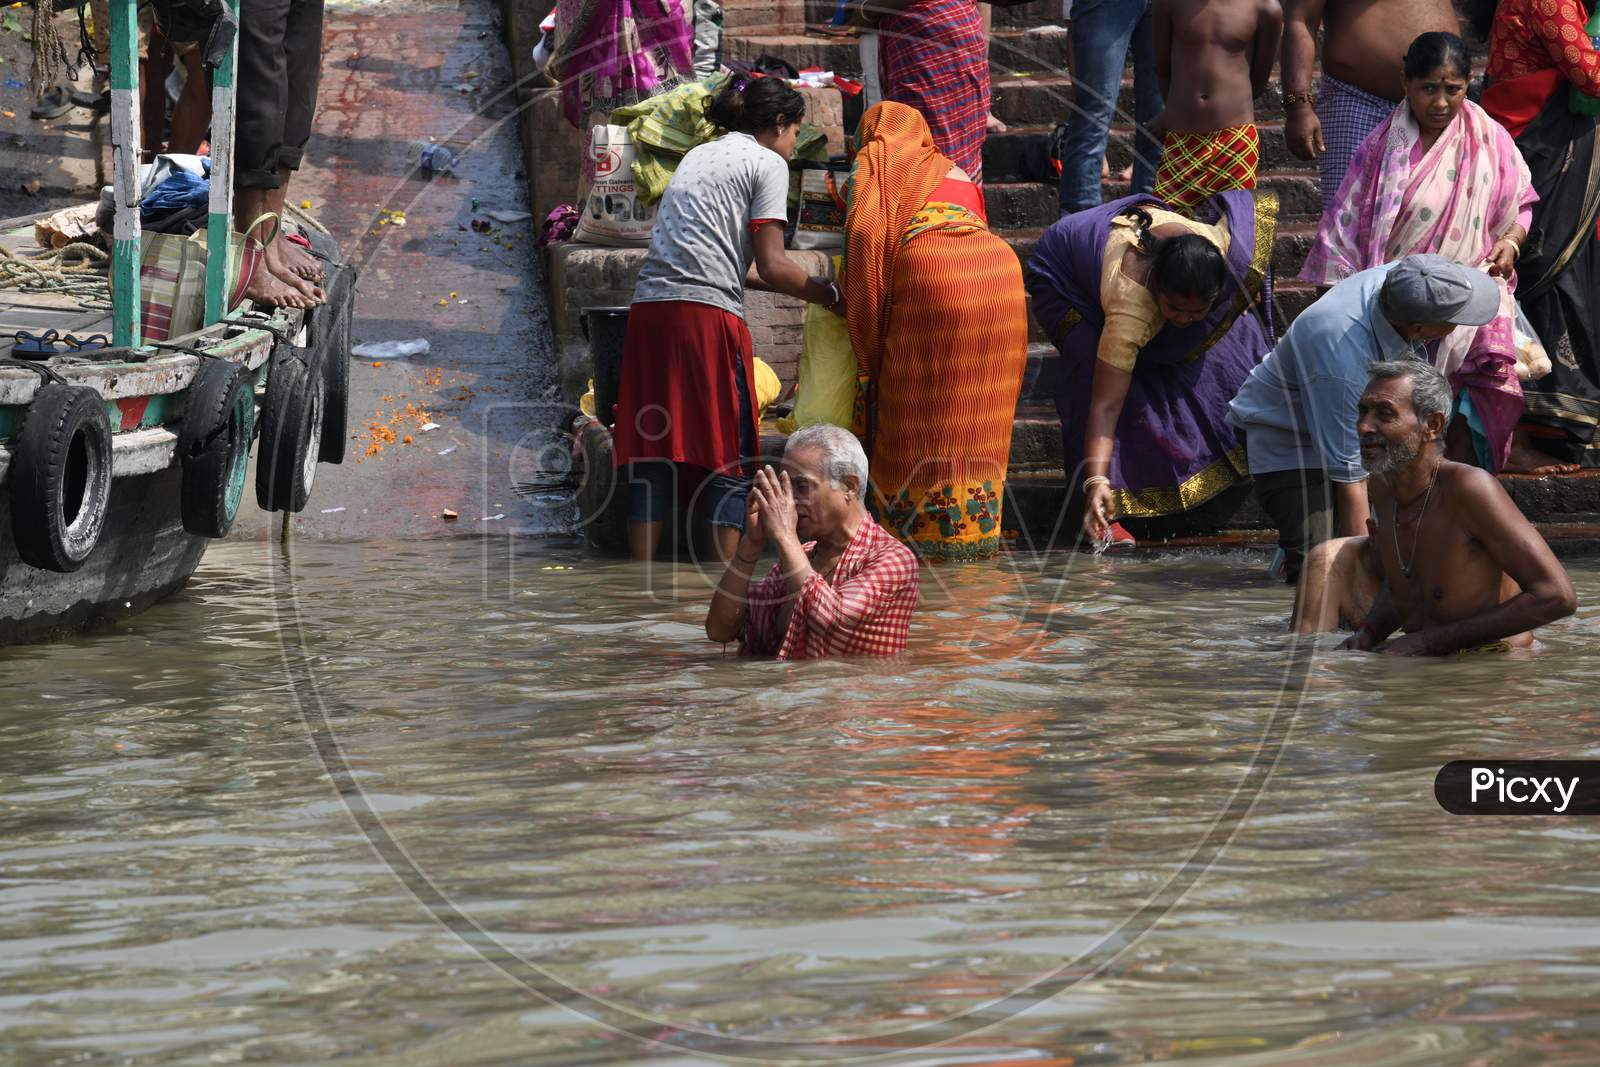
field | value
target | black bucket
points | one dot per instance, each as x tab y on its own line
606	328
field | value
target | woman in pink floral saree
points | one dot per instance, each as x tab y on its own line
1441	176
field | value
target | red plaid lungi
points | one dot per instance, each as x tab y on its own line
1196	166
933	57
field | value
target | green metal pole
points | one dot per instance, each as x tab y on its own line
219	224
125	172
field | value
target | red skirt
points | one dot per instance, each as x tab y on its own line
678	398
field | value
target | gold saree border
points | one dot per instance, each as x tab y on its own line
1193	491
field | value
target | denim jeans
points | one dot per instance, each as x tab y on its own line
1102	31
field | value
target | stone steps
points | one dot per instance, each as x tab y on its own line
1012	53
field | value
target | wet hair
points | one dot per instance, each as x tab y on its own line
1187	265
841	450
750	104
1430	390
1434	50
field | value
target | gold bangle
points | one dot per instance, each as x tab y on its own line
1307	97
1094	480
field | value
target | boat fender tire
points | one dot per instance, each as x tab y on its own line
291	430
61	477
331	335
214	446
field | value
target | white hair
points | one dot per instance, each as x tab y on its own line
841	453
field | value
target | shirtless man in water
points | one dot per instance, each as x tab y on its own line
1225	50
1363	45
1461	568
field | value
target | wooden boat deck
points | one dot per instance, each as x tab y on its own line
37	312
119	374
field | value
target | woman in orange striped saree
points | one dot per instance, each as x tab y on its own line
939	324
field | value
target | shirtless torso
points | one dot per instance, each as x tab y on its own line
1364	44
1364	41
1438	570
1226	48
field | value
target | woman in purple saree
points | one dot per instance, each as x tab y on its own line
1146	372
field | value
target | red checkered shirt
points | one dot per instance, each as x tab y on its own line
862	609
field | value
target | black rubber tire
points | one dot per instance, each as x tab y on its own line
61	477
330	334
214	446
291	430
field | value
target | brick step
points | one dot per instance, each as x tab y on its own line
1011	52
1020	205
1043	100
1031	106
1027	50
839	54
761	17
1024	16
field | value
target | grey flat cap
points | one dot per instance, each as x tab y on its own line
1430	288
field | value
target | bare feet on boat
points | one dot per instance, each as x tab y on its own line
275	263
297	259
266	289
1525	458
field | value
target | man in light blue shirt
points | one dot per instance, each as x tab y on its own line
1298	407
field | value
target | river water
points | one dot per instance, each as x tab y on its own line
362	801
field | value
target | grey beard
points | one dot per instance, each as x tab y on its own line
1394	457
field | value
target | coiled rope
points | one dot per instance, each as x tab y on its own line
77	269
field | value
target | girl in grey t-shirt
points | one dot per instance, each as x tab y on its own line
686	420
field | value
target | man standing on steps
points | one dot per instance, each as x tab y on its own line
1225	51
1363	47
1102	32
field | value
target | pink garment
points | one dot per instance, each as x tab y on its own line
617	52
1456	200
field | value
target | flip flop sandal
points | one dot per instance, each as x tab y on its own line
99	103
86	344
52	104
29	344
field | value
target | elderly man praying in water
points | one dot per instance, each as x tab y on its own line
842	585
1447	556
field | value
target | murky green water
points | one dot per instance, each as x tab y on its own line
790	855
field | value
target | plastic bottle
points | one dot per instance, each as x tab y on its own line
1580	102
430	158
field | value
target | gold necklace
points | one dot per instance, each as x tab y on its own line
1394	526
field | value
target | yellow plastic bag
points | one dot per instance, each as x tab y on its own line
768	387
827	379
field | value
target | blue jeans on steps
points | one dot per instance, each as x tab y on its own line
1102	32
